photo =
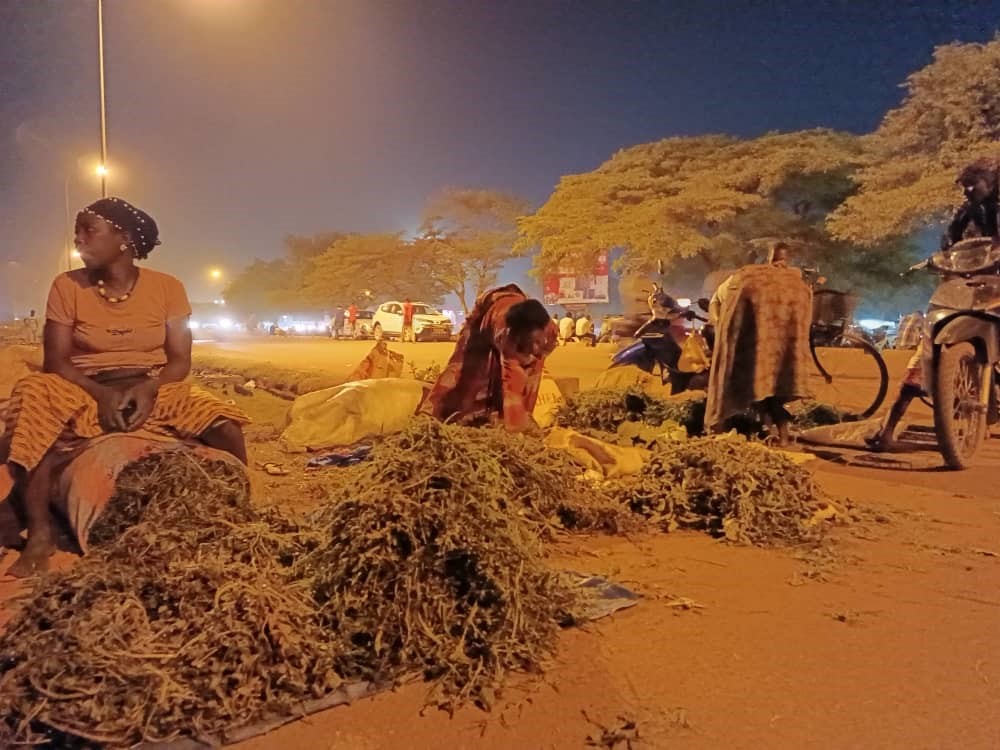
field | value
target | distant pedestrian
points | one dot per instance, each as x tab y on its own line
567	327
338	323
31	328
352	320
585	329
407	334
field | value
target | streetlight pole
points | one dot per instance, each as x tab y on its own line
69	237
104	127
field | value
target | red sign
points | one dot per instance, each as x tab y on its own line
567	288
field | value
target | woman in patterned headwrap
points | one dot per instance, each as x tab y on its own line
117	350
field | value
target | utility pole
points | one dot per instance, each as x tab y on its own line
104	128
69	236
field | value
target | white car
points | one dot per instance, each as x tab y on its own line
428	324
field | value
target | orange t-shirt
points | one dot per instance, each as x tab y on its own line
117	335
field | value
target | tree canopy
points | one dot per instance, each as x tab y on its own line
263	287
684	197
266	287
362	268
466	237
949	117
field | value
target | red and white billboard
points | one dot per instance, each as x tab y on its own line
568	288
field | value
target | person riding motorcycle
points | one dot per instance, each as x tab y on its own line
979	181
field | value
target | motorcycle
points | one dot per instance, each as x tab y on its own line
961	346
661	343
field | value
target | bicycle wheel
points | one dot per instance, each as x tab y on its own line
851	375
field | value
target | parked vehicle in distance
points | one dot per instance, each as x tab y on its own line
428	324
363	330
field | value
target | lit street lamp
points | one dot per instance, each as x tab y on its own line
215	274
101	170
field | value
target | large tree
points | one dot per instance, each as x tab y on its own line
949	116
263	287
266	287
705	196
301	248
361	268
467	235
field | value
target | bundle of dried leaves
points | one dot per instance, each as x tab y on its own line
810	414
517	473
729	488
604	410
187	623
426	567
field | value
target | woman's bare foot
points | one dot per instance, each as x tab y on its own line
33	560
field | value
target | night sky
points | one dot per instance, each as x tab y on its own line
236	122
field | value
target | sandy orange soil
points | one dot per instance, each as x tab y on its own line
885	639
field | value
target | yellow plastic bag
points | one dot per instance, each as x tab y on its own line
694	354
550	398
595	455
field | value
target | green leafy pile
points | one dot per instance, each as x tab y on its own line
606	409
187	622
426	567
727	487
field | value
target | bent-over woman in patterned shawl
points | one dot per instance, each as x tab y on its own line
117	350
761	354
496	369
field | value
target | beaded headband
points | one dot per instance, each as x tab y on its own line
125	217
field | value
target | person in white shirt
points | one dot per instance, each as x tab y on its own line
567	327
585	329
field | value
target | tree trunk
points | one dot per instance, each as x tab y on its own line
460	293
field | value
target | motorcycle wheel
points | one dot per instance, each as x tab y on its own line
959	406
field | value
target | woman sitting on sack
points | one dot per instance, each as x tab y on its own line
117	348
494	374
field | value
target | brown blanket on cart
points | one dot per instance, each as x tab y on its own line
762	342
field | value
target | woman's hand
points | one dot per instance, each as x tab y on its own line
138	402
109	410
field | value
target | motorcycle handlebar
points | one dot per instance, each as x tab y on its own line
922	265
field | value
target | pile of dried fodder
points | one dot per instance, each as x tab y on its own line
727	487
431	562
194	615
184	619
518	473
808	414
604	410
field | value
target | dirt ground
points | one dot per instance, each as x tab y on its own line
882	639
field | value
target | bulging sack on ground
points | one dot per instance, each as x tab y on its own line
347	413
596	455
380	362
550	398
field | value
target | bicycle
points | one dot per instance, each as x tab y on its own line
831	331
